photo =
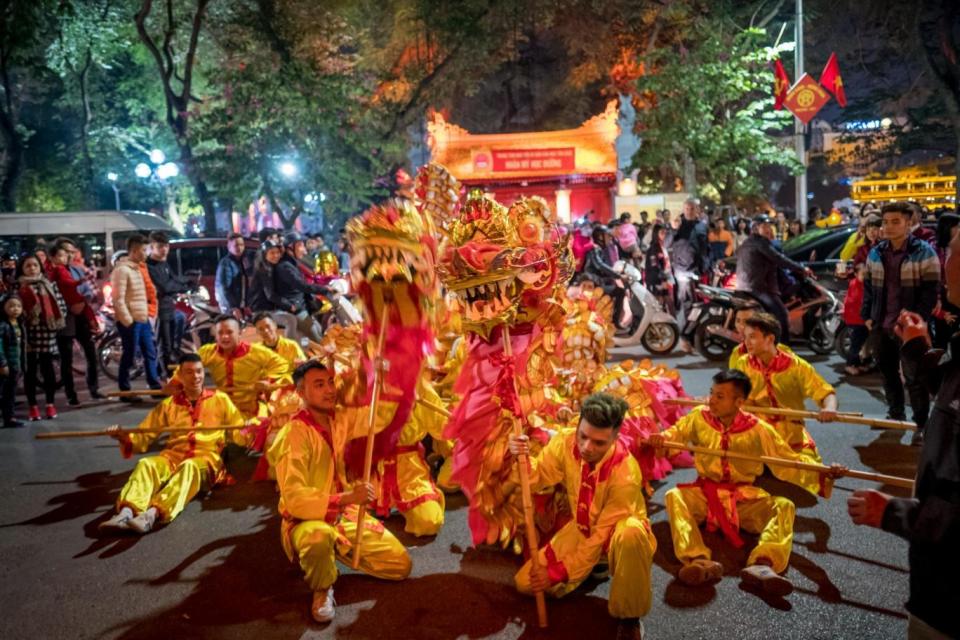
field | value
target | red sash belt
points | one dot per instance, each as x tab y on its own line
717	516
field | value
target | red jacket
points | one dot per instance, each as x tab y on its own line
853	302
60	275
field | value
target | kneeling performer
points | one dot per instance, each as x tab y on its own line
610	523
319	511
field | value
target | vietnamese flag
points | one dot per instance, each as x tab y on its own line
831	81
781	83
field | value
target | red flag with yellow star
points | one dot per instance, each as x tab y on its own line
831	81
781	84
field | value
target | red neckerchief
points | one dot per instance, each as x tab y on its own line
742	422
780	363
589	477
307	418
195	408
243	348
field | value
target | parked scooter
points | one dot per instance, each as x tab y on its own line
649	323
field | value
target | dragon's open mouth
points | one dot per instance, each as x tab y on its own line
386	263
487	299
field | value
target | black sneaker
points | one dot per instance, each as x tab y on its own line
917	439
96	395
14	424
73	402
630	630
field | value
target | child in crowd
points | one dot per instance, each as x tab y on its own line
12	353
851	316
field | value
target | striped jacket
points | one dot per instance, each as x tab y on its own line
919	281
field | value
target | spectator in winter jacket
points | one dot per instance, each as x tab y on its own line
930	519
44	315
871	236
132	314
291	291
917	230
758	269
903	274
81	320
690	257
232	279
12	353
169	321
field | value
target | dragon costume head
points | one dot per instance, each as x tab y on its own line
503	263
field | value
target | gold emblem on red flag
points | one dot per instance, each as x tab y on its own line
806	98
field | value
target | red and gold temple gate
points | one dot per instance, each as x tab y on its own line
574	170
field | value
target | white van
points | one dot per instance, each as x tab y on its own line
97	233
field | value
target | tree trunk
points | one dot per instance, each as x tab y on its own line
12	143
85	120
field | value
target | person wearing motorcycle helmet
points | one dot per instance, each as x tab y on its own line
8	272
758	267
291	290
597	268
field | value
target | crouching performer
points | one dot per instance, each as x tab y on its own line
319	510
724	494
161	486
610	525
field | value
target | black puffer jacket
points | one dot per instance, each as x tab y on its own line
260	294
596	267
167	284
759	264
291	291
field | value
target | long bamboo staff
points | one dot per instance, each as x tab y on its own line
92	434
895	481
133	393
527	498
807	415
371	424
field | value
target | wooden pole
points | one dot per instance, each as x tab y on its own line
133	393
53	435
527	498
895	481
434	407
371	424
850	418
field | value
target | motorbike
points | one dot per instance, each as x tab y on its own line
813	313
337	308
649	323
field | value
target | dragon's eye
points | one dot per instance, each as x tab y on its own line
531	231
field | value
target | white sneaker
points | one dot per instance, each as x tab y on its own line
144	522
324	606
119	522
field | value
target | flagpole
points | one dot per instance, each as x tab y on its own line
801	190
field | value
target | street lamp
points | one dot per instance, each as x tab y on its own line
143	170
168	170
288	169
157	156
112	177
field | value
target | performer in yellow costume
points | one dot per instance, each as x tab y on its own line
603	485
782	379
286	348
405	480
724	495
319	510
161	486
740	351
244	370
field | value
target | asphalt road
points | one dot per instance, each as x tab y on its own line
218	571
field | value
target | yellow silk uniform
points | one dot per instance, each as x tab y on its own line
739	354
785	383
189	461
289	350
404	480
248	364
724	494
316	529
609	518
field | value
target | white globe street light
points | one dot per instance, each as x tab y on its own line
168	170
288	169
142	170
157	156
112	176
